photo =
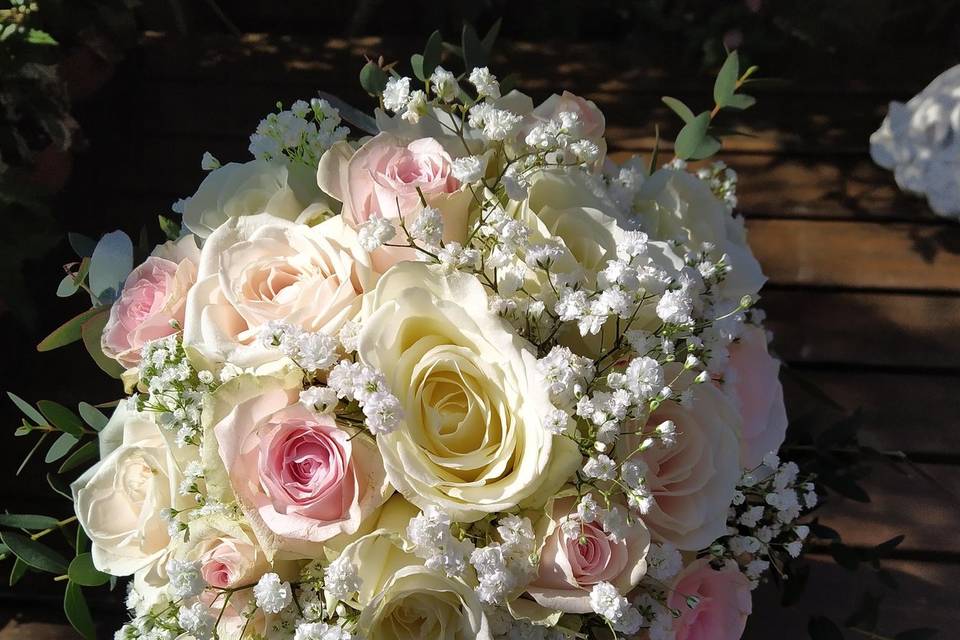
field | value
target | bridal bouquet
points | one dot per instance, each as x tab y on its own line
461	378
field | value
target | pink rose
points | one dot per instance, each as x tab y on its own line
230	562
570	567
299	478
752	377
153	296
385	177
693	481
724	602
592	122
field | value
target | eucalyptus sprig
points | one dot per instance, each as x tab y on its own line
699	138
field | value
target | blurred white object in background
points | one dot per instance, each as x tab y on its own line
920	141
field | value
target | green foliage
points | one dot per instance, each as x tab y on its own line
85	453
90	332
27	410
700	138
34	553
373	78
60	447
169	227
82	572
92	416
110	264
61	417
67	333
27	521
77	612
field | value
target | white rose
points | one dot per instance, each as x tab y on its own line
399	597
675	204
120	499
693	481
248	188
472	441
260	268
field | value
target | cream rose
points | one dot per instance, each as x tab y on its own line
119	500
570	567
260	268
693	481
281	189
675	204
399	597
299	479
472	441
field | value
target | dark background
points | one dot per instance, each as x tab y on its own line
848	43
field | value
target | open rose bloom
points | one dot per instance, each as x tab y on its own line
465	378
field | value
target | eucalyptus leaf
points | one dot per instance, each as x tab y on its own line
707	147
35	554
726	82
67	287
32	451
61	417
82	245
373	79
741	101
92	416
60	447
431	54
77	612
491	37
27	410
691	136
88	451
678	108
26	521
91	331
111	263
82	572
351	114
17	571
474	55
508	82
68	332
59	486
416	63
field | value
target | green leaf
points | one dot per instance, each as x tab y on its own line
924	633
92	416
169	227
474	55
81	244
91	331
741	101
36	36
27	410
726	82
351	114
821	628
33	553
68	332
60	447
707	147
77	611
81	543
32	451
691	136
61	417
84	573
59	486
111	263
678	108
373	79
17	571
416	63
431	54
491	38
88	451
508	82
67	287
27	521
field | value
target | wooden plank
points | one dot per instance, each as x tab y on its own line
886	330
927	597
917	413
920	501
858	254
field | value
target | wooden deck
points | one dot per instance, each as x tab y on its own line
864	290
